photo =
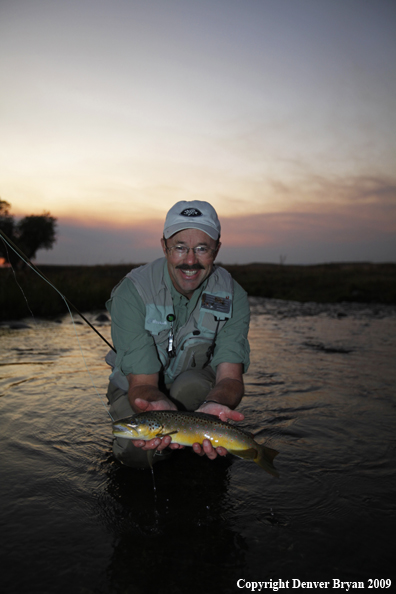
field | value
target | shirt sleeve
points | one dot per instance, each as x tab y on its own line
136	351
232	345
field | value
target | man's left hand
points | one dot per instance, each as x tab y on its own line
220	410
224	413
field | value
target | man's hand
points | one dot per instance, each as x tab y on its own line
224	413
158	443
143	405
208	450
145	396
220	410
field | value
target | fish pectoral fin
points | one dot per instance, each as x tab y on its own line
249	454
151	453
169	433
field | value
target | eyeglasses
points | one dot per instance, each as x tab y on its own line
201	251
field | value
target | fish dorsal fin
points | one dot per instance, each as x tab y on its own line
206	416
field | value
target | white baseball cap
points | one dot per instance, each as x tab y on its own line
192	215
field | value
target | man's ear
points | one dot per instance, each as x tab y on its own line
217	251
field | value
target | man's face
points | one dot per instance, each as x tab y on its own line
188	271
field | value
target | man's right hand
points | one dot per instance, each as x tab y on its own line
145	396
161	404
156	443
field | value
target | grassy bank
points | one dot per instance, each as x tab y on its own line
88	287
324	283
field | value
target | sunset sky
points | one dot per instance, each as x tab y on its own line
281	113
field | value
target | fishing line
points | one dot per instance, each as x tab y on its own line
19	253
16	280
25	259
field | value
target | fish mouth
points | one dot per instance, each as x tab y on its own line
120	429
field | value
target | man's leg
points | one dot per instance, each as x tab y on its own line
191	387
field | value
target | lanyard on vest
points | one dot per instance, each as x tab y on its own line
171	340
211	349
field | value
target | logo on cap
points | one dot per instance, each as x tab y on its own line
191	212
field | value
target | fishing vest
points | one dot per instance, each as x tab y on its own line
192	340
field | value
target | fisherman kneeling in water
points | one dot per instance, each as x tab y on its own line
179	326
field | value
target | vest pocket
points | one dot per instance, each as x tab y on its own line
192	356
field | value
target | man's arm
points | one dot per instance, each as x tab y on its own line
144	394
229	388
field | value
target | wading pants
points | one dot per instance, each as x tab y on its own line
188	392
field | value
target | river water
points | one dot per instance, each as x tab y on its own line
320	389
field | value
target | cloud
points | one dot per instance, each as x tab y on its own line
340	212
350	219
351	190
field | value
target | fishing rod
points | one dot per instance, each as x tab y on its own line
20	253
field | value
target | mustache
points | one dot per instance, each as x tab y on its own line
196	266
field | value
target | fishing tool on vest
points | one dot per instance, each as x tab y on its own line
222	305
171	339
210	351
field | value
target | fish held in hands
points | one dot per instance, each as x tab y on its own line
188	428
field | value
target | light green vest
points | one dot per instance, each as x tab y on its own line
192	340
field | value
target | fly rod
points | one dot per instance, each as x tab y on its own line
29	263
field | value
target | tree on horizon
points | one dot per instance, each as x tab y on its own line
30	234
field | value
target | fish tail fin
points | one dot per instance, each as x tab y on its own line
261	454
264	459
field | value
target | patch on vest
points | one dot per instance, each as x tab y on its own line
152	321
214	303
191	212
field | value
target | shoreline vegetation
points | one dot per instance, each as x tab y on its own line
88	287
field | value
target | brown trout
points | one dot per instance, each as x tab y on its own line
188	428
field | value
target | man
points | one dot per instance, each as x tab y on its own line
179	326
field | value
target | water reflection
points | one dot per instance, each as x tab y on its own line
181	529
320	390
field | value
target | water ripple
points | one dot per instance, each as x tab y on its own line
320	390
